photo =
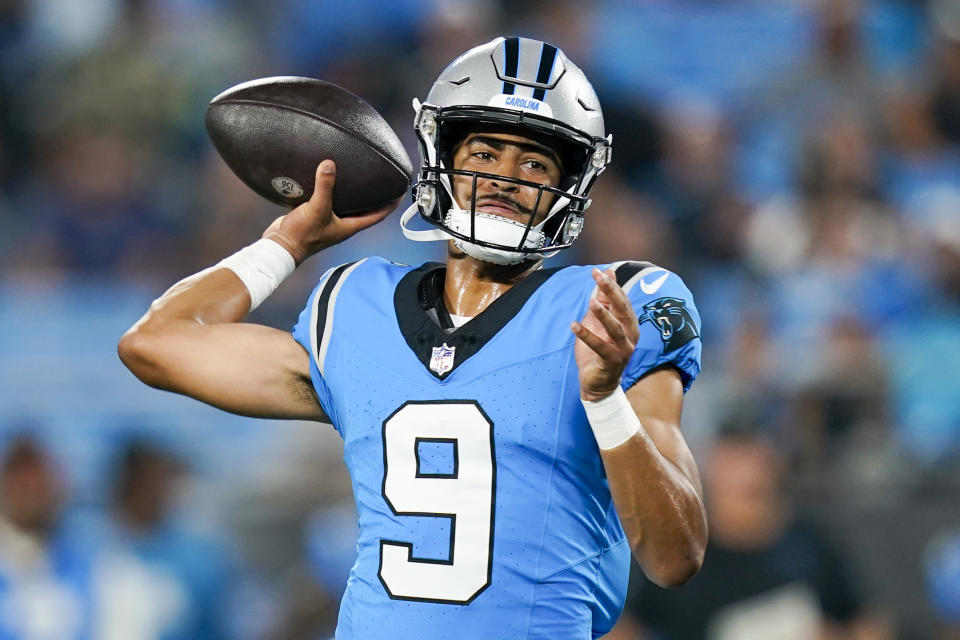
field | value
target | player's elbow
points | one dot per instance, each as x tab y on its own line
140	351
675	567
677	574
673	575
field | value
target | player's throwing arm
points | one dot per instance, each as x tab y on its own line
193	341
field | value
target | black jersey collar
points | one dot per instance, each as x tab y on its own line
422	289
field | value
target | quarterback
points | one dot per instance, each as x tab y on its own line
512	431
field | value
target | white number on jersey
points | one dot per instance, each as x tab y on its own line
465	496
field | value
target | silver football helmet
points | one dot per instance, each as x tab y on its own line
523	86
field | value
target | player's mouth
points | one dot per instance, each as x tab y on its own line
503	206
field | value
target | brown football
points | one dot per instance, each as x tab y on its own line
273	133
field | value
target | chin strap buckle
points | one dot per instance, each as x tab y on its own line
573	228
426	196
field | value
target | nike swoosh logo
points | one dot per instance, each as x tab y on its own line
652	287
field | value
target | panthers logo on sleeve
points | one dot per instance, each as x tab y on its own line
671	317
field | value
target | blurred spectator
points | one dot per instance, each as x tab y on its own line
945	19
941	565
44	577
767	574
839	76
697	184
845	401
747	390
923	170
93	206
157	579
926	348
319	531
312	591
836	80
831	259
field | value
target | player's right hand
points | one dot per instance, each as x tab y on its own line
313	226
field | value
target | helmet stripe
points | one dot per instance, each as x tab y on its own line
511	60
548	55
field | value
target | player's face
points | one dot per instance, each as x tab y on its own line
510	156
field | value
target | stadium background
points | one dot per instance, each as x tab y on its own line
796	162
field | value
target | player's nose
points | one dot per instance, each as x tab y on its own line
507	168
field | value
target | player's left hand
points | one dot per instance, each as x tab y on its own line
606	338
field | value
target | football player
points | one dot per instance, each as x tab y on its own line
512	431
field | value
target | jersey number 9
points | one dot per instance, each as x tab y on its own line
463	494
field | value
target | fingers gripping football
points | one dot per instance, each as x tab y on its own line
313	226
606	337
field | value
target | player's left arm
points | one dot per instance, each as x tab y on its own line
652	474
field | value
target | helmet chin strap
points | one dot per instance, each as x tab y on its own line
490	227
427	235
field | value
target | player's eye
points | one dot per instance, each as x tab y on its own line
536	165
485	156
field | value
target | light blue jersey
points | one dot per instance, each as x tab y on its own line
484	509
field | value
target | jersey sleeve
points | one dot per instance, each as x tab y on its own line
306	330
669	322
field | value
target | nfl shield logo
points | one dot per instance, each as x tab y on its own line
442	359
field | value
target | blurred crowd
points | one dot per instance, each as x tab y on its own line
796	162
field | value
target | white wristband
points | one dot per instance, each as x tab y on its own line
612	419
262	267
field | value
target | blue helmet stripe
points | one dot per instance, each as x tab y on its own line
511	61
548	55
